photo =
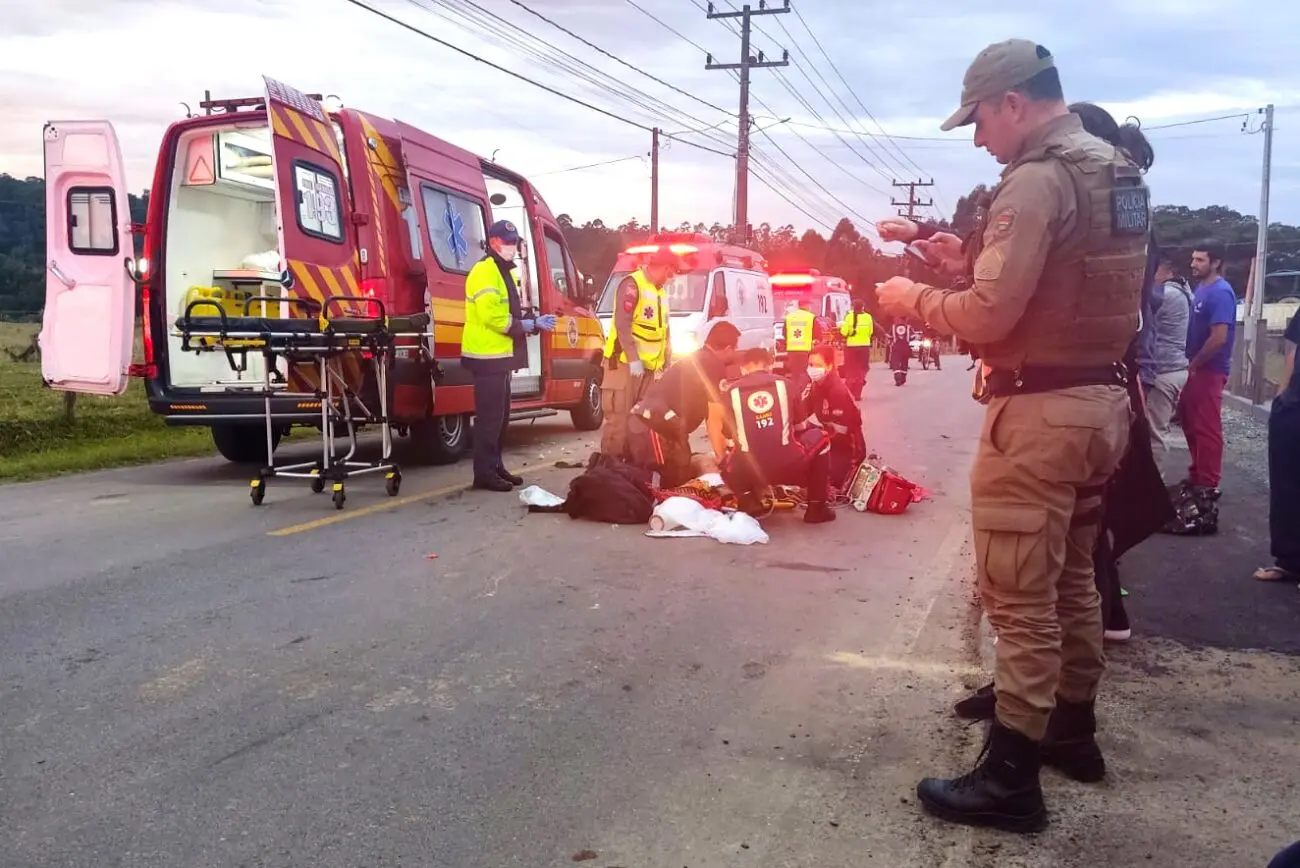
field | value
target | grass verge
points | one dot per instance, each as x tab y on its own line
38	441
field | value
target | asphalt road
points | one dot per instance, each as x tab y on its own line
188	680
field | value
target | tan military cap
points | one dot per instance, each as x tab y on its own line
1001	67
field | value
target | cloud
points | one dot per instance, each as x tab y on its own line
135	62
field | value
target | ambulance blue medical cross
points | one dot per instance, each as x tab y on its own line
456	235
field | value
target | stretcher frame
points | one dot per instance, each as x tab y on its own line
320	340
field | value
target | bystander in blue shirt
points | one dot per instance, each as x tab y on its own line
1213	304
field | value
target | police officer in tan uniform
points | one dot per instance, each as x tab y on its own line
1052	307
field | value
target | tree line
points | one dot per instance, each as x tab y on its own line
845	253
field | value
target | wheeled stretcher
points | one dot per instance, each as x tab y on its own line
323	341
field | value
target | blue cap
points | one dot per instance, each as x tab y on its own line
505	230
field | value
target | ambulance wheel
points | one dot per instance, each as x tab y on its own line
257	490
590	414
393	484
442	439
244	444
339	496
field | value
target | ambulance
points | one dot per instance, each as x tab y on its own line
829	298
275	197
717	283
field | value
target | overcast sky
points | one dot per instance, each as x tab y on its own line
1166	61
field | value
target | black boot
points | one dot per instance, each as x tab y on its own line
818	512
510	477
1070	745
1001	793
980	705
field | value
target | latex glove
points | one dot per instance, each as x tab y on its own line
546	322
896	229
637	368
529	326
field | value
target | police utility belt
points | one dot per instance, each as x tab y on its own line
1049	378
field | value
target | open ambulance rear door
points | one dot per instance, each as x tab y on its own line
87	331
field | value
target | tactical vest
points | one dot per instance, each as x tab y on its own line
649	326
1085	309
760	409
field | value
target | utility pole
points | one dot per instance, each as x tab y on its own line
912	202
1255	307
747	62
654	181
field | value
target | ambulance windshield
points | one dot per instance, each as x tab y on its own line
686	292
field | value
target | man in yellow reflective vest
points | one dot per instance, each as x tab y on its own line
799	327
857	328
492	346
637	348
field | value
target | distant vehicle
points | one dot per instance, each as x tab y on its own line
829	298
718	283
274	197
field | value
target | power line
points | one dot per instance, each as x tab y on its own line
561	27
609	114
587	166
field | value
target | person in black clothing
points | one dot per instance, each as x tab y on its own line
829	399
760	411
1284	470
674	406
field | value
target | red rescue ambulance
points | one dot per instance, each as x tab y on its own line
273	196
829	298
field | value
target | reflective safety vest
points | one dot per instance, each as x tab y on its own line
799	326
857	329
760	408
487	314
649	326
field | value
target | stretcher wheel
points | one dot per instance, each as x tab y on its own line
317	484
393	483
257	491
339	496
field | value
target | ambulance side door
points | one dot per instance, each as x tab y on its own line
87	331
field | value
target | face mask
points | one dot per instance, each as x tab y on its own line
816	374
509	252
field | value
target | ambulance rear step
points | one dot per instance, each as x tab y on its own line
520	415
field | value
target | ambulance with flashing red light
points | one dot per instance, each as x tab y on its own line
276	197
829	298
717	283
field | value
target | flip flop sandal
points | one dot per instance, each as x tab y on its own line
1274	574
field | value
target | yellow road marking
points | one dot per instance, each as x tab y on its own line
392	503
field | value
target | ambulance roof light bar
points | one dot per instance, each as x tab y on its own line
805	279
675	249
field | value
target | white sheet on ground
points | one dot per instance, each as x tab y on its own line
535	495
684	517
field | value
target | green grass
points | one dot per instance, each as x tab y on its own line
37	441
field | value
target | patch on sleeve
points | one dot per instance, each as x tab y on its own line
1002	223
630	295
989	264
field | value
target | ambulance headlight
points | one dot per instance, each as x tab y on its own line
684	344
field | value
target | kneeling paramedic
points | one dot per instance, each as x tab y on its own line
637	346
760	409
492	346
838	413
677	404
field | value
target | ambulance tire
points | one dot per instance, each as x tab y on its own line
590	414
244	444
442	439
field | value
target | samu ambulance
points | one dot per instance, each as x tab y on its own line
830	299
274	196
717	283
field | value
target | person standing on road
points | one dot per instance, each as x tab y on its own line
800	326
1172	318
492	347
1284	470
641	324
1210	336
858	328
1057	285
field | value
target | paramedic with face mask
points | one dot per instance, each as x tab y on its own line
492	347
829	400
